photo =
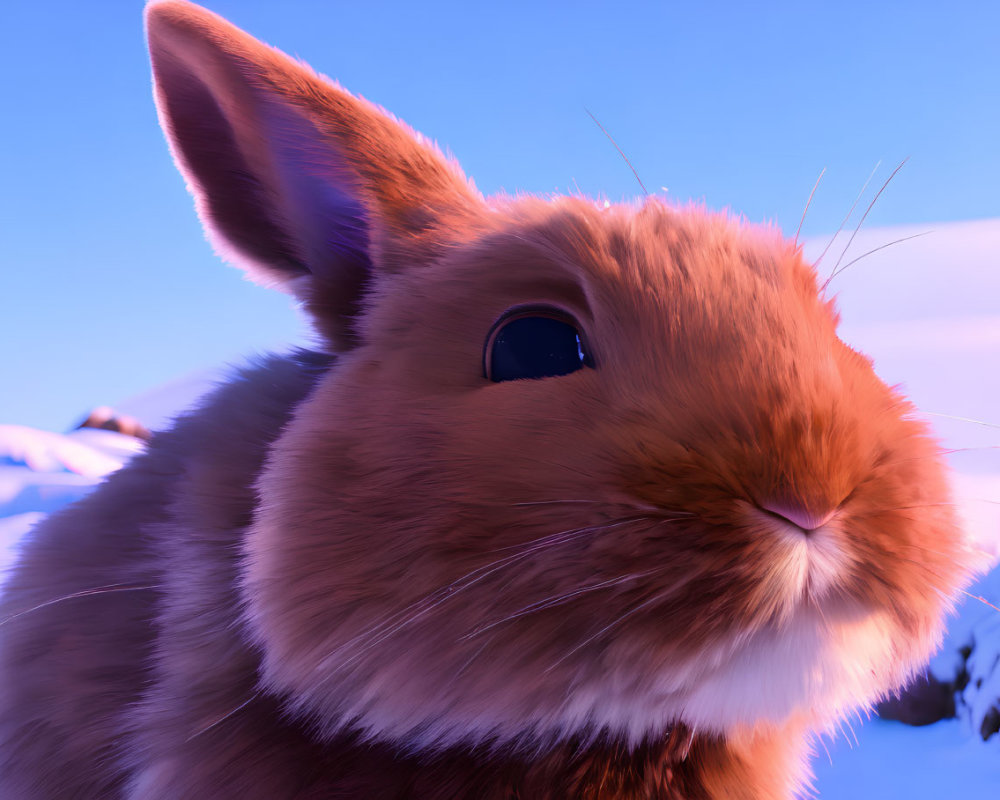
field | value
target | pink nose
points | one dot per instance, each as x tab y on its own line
805	518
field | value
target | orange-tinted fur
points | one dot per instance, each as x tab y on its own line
393	577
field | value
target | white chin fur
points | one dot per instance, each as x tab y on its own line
821	669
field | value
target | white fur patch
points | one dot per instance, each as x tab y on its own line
812	666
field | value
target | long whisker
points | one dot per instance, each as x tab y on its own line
109	589
557	600
224	717
875	250
918	505
475	576
941	452
650	511
805	210
474	656
550	538
923	550
560	502
847	216
927	570
620	152
980	598
614	623
961	419
976	449
861	222
645	508
408	616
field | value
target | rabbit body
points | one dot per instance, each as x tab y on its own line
439	560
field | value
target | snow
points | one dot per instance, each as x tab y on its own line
926	311
89	452
893	761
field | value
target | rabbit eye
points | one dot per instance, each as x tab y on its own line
534	344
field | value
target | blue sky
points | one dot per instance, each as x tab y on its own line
108	286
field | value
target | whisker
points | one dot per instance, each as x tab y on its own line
542	540
805	210
526	549
875	250
622	154
473	657
614	623
406	617
646	508
871	205
941	452
927	570
923	550
976	449
961	419
843	222
555	464
401	619
560	502
224	717
953	504
551	602
109	589
980	598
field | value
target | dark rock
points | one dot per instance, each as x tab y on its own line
924	701
105	418
991	724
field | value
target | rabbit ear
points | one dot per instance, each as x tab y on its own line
296	180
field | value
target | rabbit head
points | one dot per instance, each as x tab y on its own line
577	470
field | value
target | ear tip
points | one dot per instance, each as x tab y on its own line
159	13
164	18
170	11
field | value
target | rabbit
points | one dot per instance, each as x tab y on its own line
571	501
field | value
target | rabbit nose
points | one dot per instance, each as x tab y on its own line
806	518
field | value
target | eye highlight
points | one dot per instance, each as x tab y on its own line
534	343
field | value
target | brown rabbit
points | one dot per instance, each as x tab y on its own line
578	502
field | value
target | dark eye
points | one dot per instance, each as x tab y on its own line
534	344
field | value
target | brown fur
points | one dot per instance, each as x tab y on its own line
385	576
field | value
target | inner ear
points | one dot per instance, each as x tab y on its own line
232	198
320	203
300	183
272	191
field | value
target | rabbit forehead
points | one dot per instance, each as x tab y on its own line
630	270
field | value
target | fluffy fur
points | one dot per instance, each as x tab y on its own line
377	574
